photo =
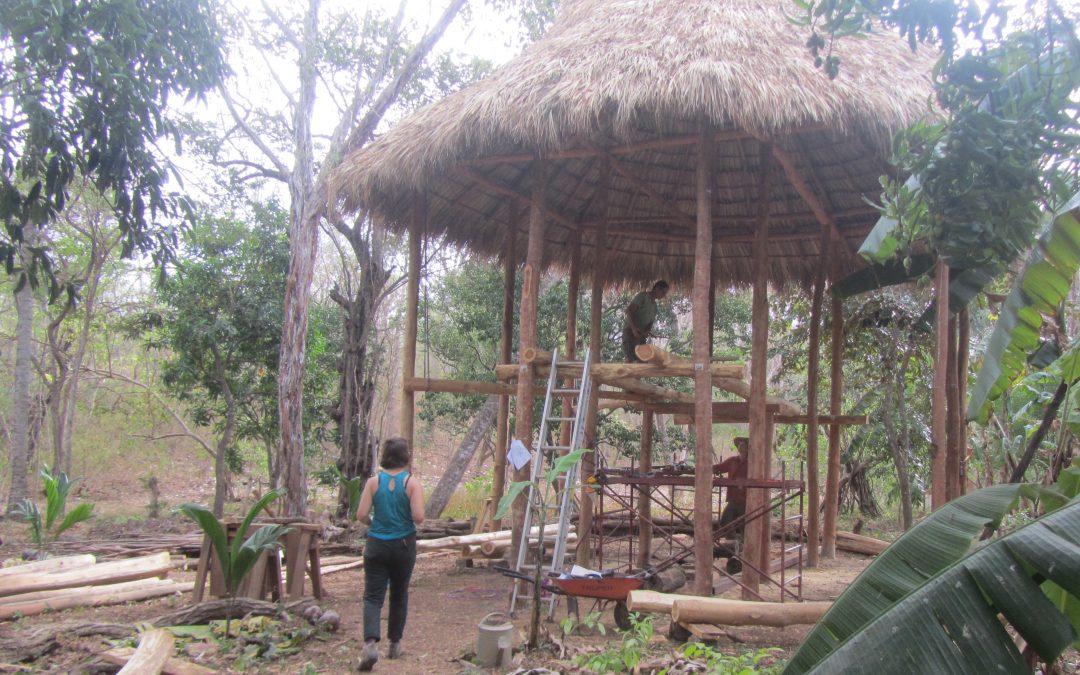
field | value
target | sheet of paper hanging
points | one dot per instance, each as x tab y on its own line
518	455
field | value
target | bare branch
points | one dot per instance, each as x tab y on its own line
251	134
259	169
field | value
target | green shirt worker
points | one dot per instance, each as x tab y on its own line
640	315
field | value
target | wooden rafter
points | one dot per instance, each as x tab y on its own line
787	162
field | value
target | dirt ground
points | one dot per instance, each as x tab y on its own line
447	601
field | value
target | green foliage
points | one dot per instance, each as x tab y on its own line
352	487
591	622
763	661
85	84
626	654
57	519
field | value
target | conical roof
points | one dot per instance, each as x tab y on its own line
628	84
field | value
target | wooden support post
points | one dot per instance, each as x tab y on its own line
757	531
813	520
530	292
703	453
412	302
963	353
644	502
596	313
938	420
836	402
571	333
502	416
952	417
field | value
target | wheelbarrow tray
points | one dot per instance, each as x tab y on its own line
604	588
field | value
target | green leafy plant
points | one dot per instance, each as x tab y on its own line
762	661
352	487
627	654
591	622
57	488
237	559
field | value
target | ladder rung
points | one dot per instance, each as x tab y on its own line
797	516
570	363
554	447
565	391
561	419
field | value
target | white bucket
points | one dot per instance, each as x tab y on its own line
494	644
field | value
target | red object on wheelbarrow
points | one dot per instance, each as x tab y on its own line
603	588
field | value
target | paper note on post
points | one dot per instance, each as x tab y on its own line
519	455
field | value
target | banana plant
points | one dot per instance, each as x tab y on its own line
352	487
238	557
931	602
57	488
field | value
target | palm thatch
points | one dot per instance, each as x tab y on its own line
629	84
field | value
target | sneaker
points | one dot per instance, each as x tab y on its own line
395	651
369	656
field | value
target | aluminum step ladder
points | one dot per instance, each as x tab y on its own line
547	455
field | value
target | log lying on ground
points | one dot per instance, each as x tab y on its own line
70	562
692	609
468	539
33	596
497	548
652	602
130	569
94	596
155	648
857	543
121	656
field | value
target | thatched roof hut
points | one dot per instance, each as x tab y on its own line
633	80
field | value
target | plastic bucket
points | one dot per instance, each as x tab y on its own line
494	643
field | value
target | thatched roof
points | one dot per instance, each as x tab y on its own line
634	80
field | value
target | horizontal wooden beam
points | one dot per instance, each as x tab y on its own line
427	384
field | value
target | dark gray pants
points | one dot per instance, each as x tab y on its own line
387	562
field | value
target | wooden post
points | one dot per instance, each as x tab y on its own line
836	402
596	313
757	531
813	520
952	417
502	417
644	499
412	302
938	420
571	331
530	292
703	454
963	352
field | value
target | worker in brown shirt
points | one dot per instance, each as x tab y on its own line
734	467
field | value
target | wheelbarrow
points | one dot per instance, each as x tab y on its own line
608	587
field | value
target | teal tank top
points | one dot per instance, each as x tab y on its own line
392	514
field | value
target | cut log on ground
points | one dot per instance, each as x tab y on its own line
669	580
718	611
33	596
497	548
155	565
120	656
70	562
651	602
857	543
155	648
95	596
456	542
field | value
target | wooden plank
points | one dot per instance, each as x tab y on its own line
704	631
69	562
703	453
121	655
155	648
130	569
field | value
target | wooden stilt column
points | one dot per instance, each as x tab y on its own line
836	402
963	352
571	332
813	520
412	302
952	417
938	419
596	309
757	530
530	292
502	417
644	503
703	453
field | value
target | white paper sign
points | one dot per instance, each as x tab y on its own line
519	455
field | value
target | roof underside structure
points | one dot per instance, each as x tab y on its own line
616	95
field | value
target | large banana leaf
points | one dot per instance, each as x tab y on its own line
951	623
1043	284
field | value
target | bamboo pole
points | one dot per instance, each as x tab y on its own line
155	648
530	292
703	454
741	613
502	416
588	460
938	431
832	471
813	523
757	530
412	303
644	502
144	567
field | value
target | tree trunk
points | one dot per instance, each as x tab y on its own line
455	469
892	383
20	395
221	466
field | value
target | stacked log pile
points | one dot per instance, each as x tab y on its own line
81	581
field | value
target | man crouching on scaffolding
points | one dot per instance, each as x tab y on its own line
640	315
733	467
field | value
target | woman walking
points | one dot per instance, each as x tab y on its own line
390	551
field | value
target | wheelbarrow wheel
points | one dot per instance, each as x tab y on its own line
622	616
